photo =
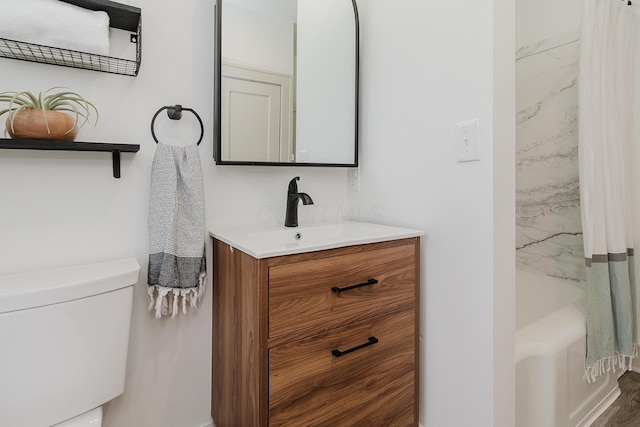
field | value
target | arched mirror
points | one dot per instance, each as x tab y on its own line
286	83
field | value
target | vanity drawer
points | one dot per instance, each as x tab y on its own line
369	386
304	294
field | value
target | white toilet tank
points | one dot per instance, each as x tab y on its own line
64	337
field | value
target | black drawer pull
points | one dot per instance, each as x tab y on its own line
338	353
348	288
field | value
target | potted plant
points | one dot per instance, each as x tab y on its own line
51	115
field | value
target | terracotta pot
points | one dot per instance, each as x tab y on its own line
30	124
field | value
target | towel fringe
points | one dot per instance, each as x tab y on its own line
161	298
611	364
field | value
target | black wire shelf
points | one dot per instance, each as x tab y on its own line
54	145
121	16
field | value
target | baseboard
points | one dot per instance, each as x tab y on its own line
600	408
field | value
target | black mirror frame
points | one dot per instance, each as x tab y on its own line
217	104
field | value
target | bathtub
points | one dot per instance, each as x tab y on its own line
551	388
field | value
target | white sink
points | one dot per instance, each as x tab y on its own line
265	243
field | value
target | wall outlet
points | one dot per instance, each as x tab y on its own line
353	177
467	141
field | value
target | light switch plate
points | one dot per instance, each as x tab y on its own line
467	149
353	176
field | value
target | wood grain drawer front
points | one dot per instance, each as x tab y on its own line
371	386
301	295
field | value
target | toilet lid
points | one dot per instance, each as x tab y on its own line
35	289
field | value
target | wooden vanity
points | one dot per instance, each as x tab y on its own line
323	338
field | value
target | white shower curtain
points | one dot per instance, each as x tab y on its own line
605	89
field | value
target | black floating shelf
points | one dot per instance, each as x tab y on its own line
42	144
121	16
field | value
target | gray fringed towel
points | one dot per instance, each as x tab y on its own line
177	264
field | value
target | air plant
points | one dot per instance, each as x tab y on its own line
70	102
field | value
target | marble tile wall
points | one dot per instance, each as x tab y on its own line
548	229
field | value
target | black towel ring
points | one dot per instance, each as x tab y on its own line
175	113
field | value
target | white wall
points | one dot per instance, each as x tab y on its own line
426	66
278	8
504	188
64	208
258	40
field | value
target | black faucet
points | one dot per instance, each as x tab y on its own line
291	218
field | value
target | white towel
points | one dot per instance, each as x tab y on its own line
55	23
177	266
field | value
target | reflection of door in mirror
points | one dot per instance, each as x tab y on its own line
257	80
256	110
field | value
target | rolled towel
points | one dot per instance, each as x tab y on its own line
55	23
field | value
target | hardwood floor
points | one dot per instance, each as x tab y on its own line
625	411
